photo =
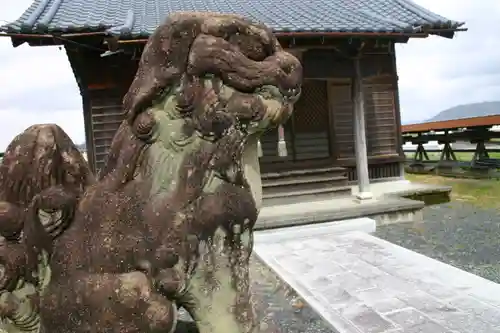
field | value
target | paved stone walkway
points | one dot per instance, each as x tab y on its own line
362	284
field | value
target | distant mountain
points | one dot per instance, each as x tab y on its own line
468	111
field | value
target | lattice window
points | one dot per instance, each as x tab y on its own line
311	122
311	110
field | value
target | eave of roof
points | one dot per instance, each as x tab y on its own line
129	19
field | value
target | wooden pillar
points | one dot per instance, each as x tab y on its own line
360	134
397	107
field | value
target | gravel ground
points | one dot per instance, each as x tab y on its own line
457	233
279	307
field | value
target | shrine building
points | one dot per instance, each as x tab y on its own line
346	127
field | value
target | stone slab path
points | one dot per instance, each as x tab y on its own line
362	284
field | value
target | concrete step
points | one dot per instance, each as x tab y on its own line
337	190
303	195
306	179
317	209
363	224
302	185
298	188
303	173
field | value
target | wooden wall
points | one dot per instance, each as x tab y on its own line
383	128
105	115
380	87
307	132
103	82
381	125
320	131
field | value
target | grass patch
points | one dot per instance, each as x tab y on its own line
483	193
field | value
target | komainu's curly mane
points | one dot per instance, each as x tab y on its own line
188	46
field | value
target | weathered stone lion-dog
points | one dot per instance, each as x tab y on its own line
168	221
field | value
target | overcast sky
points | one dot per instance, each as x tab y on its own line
37	85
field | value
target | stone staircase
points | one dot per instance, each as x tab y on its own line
295	186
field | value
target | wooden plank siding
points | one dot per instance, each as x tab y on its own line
319	133
342	111
380	118
106	115
103	82
314	131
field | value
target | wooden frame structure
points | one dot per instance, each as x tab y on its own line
475	130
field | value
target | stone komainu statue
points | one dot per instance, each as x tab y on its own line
168	222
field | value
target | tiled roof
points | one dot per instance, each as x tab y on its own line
134	18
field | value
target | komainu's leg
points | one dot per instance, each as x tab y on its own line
218	296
